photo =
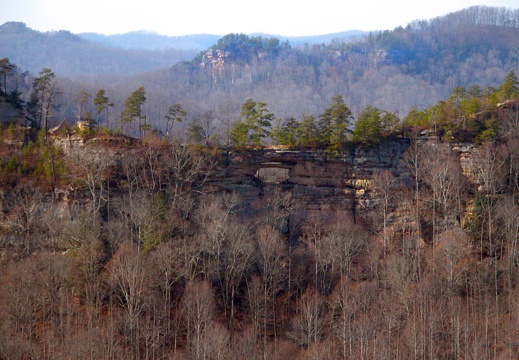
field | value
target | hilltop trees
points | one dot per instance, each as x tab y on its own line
133	108
256	121
43	98
373	124
81	100
469	114
6	68
243	48
102	103
292	132
307	133
11	103
334	122
284	131
368	127
510	87
175	114
333	128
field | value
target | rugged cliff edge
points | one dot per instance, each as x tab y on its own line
316	180
321	182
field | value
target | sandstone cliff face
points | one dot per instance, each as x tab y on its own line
317	181
323	183
470	158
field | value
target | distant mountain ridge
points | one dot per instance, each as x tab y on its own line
68	54
131	53
396	70
151	41
344	36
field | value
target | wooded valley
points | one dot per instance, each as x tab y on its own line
264	201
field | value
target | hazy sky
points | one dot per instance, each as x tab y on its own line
220	17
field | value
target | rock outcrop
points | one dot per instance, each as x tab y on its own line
320	182
317	180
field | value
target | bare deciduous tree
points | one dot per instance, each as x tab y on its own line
198	308
271	259
128	279
413	162
235	263
25	209
384	188
443	175
310	323
451	258
91	167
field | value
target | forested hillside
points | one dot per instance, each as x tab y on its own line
91	54
117	247
156	221
394	70
72	55
397	70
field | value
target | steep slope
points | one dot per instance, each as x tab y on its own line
398	70
394	70
70	55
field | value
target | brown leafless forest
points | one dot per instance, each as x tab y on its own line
136	231
117	249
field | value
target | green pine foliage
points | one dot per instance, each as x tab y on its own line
334	124
368	128
308	132
133	107
468	115
195	132
510	87
285	132
254	126
243	48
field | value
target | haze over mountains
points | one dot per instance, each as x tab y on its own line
395	70
71	55
152	41
131	53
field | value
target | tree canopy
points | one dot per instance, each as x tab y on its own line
334	122
255	124
133	106
43	97
243	48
